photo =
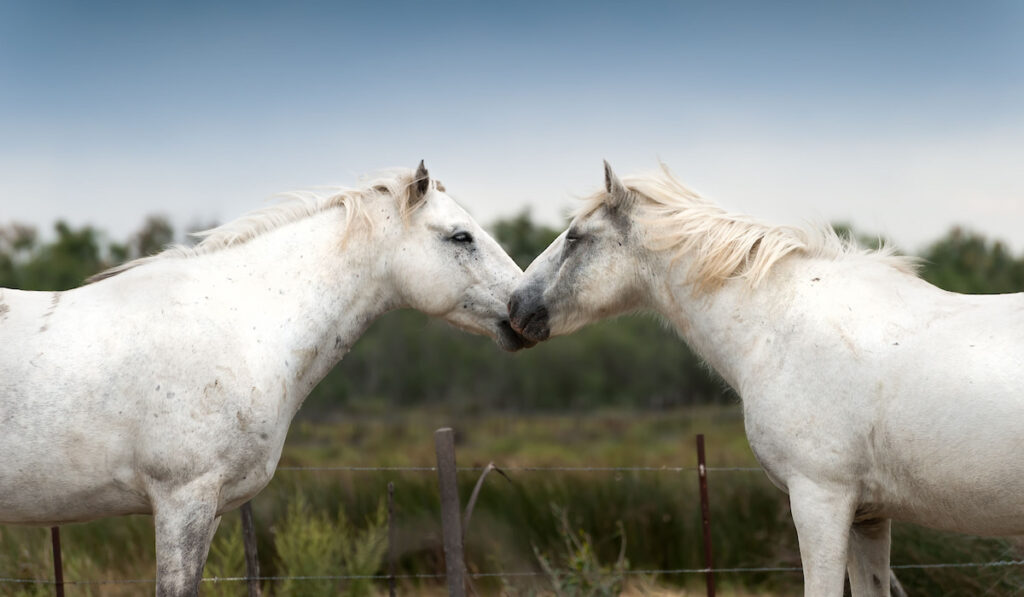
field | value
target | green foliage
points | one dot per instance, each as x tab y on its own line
64	263
658	511
407	360
71	257
156	233
307	545
965	261
226	560
310	543
363	549
579	571
522	239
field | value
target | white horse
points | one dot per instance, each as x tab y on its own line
868	394
167	386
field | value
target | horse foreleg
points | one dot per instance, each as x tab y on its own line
185	522
868	560
822	517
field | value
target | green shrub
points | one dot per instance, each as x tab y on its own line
226	560
310	543
579	571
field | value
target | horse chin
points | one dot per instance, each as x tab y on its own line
508	339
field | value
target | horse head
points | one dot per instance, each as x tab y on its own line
593	270
445	265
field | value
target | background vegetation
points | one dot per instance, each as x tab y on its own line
621	393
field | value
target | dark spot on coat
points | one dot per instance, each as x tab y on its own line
877	582
815	279
54	301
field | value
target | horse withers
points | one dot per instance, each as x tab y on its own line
167	385
868	394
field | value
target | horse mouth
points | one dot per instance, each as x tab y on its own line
534	326
510	340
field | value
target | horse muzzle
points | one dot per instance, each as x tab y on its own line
528	317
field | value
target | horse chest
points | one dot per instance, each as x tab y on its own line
791	435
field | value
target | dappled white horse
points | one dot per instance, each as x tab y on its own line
167	386
868	394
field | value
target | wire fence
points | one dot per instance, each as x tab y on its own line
453	532
523	574
537	469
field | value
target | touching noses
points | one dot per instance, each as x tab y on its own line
528	315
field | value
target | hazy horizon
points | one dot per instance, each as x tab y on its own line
903	119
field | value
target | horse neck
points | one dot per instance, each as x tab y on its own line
309	295
731	325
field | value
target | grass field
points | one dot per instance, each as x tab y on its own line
330	522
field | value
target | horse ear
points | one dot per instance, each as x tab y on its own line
619	197
420	184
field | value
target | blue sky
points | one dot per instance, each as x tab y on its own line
903	118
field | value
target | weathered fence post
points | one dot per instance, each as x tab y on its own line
391	539
705	512
58	566
252	562
451	523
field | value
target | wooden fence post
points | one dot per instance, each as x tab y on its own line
705	511
58	566
451	523
391	539
252	562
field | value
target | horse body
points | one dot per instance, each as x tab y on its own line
169	387
869	377
868	394
215	365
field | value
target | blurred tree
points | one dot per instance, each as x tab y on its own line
521	238
965	261
64	263
156	233
17	242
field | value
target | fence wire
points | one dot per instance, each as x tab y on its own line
526	574
522	574
559	469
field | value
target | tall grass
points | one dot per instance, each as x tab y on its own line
332	523
226	560
312	543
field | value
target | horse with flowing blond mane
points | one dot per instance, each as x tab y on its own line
868	394
167	386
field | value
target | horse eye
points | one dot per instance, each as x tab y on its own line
572	237
462	237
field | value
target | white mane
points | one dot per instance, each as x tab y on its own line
294	206
726	245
